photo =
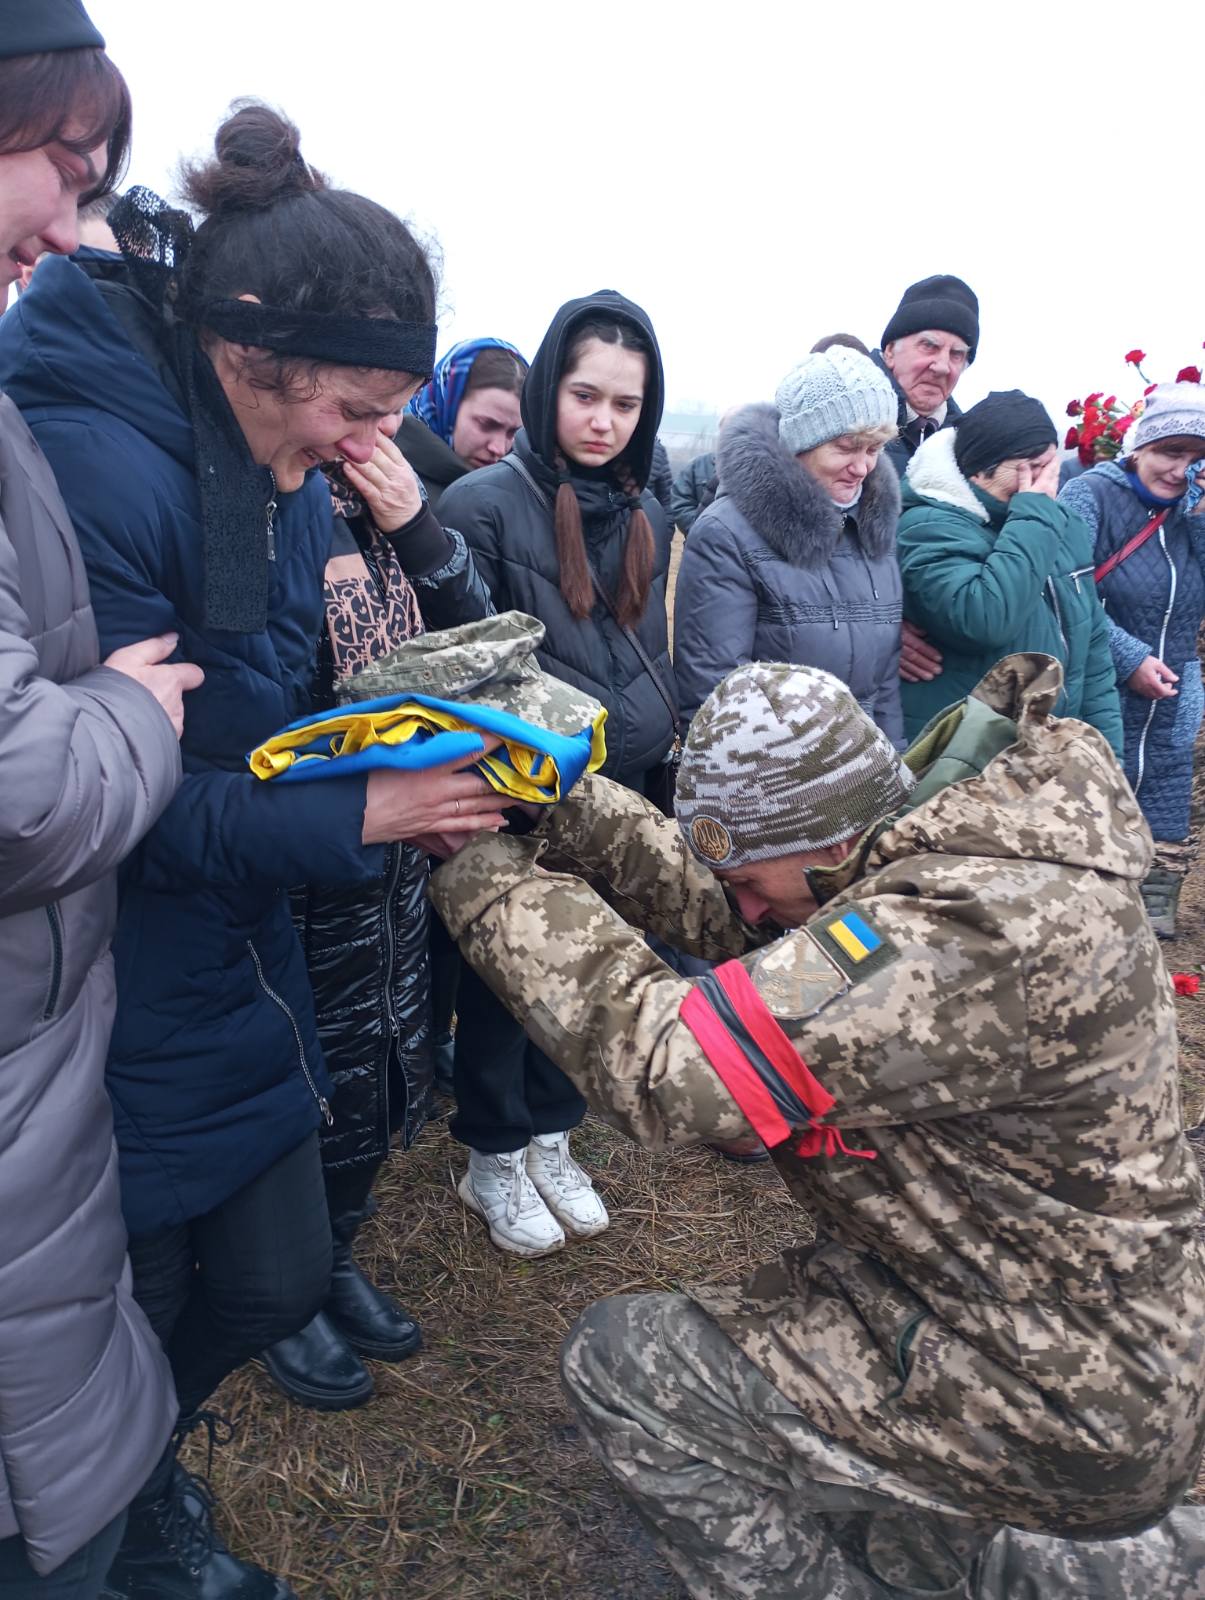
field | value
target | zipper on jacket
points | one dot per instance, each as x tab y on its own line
1150	716
270	512
395	1033
391	882
56	961
323	1102
1058	616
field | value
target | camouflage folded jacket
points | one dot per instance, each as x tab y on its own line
430	701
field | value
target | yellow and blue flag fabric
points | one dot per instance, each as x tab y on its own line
411	732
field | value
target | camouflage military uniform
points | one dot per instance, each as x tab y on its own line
1005	1322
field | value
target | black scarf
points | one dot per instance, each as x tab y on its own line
238	500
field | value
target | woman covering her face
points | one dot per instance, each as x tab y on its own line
565	530
993	566
187	397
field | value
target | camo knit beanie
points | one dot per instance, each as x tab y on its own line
782	758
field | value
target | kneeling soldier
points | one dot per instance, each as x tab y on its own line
964	1061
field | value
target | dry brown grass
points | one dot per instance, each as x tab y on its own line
465	1479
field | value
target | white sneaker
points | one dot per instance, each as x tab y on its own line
564	1188
499	1191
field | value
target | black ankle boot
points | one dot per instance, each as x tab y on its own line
317	1368
171	1552
443	1054
371	1321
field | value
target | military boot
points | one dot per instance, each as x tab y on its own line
171	1551
1161	896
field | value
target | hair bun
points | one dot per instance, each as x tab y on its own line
257	163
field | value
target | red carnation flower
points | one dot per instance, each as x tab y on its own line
1093	398
1072	439
1150	389
1135	357
1186	983
1188	375
1074	408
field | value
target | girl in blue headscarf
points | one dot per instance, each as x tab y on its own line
467	416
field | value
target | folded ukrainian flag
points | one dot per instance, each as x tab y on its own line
414	731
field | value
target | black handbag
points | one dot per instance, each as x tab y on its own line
661	784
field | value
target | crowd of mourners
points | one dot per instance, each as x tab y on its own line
869	857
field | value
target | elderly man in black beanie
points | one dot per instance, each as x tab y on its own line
930	341
926	347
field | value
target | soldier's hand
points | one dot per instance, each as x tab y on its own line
920	661
1152	680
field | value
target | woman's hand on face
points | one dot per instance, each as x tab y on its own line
1152	680
920	661
387	485
1045	479
442	803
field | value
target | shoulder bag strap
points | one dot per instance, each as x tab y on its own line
1129	547
646	660
512	461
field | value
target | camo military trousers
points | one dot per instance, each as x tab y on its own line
750	1500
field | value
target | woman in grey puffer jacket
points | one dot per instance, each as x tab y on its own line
89	761
795	560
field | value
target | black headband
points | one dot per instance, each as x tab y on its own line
343	341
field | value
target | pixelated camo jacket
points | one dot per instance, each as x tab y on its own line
1008	1306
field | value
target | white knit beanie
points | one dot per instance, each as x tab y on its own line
1172	411
836	391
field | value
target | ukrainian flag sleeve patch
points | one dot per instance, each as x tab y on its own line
850	938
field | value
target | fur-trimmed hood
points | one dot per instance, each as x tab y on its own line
933	474
787	506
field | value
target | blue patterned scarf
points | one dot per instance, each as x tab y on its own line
438	402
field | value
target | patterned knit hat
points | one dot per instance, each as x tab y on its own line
1173	411
782	758
834	392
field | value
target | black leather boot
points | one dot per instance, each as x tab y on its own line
443	1054
317	1368
171	1552
371	1321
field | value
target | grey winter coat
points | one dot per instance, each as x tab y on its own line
772	571
89	760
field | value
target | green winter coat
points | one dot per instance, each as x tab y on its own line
987	579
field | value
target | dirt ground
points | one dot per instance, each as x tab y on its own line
465	1477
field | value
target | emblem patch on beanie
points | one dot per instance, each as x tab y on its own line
710	839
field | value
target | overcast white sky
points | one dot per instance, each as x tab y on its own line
755	174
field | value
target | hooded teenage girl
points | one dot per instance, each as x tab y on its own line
566	530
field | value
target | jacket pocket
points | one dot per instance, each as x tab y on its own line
55	985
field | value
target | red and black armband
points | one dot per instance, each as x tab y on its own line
779	1095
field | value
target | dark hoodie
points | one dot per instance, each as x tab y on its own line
508	523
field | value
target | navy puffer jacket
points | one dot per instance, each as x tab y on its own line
215	1070
1155	601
